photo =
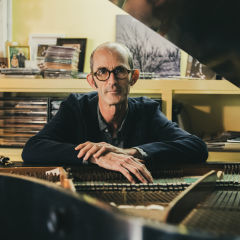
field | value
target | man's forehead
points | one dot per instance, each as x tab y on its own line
106	55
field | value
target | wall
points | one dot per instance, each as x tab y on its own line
91	19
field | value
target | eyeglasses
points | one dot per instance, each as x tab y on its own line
119	72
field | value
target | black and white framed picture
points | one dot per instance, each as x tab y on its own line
195	69
152	53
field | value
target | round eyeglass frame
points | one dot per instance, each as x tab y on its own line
112	71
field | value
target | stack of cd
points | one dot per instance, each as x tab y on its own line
20	119
21	72
61	59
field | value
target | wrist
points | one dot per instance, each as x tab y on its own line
133	152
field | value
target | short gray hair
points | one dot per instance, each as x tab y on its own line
115	46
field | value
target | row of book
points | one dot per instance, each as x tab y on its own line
227	141
21	118
37	73
20	73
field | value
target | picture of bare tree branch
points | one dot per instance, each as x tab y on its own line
151	52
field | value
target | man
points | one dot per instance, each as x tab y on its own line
111	130
21	59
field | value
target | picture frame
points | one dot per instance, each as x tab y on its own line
17	55
36	40
79	43
160	59
41	50
3	62
197	70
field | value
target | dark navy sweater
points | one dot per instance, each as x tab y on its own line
145	127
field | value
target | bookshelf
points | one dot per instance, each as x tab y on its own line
167	89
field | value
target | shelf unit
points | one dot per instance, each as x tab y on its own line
167	89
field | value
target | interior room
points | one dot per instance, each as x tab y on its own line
45	52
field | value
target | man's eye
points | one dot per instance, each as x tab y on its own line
102	71
120	70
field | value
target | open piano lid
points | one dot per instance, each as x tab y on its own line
206	30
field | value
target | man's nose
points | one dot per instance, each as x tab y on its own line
112	78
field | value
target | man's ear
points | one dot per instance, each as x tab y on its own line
91	81
135	77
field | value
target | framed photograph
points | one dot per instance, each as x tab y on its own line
152	54
3	62
17	55
80	44
37	41
195	69
41	50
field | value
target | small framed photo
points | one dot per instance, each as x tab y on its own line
3	62
17	55
41	50
80	44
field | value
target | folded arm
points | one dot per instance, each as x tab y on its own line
172	144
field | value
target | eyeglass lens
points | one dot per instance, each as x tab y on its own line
119	72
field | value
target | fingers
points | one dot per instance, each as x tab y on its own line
80	146
126	173
112	163
138	170
91	150
144	170
135	172
84	148
101	151
88	149
95	151
127	165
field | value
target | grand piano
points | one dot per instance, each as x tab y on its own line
184	202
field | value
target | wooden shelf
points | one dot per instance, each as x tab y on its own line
178	86
15	155
231	157
166	88
43	85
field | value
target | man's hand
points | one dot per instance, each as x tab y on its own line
127	165
91	149
113	158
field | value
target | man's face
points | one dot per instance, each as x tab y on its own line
112	91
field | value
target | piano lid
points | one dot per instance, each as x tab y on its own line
206	30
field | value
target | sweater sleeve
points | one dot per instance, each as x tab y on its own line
55	143
171	144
